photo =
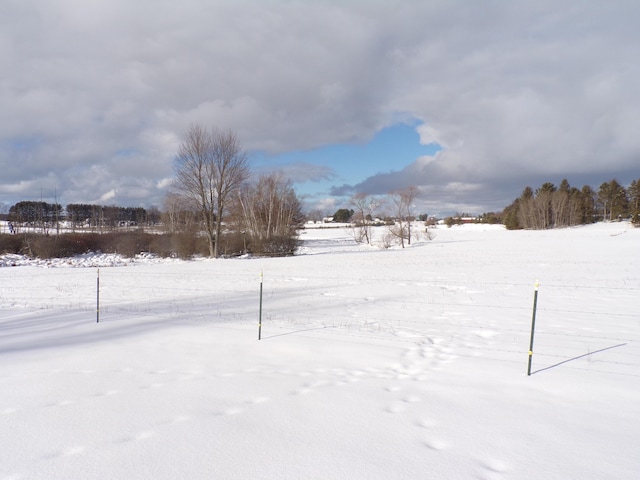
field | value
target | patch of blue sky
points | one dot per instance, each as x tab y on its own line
391	149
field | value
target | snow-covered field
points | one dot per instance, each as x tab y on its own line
373	364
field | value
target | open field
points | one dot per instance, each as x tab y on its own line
373	364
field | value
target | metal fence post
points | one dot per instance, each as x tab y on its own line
260	313
533	325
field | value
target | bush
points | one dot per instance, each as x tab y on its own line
187	244
42	246
60	246
274	246
161	245
233	244
10	243
84	242
128	244
183	245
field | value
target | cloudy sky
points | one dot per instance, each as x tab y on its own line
468	100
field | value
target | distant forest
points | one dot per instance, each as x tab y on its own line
43	216
562	206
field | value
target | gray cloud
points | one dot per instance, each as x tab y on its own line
95	95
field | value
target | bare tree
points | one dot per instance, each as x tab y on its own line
270	213
408	196
402	201
365	206
399	229
232	170
316	215
560	209
210	165
180	213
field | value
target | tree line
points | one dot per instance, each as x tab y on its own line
43	216
552	207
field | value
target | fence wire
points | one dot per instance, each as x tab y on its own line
474	319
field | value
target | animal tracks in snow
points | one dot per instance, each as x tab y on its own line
233	410
132	390
145	434
492	469
107	393
257	400
409	392
436	444
74	450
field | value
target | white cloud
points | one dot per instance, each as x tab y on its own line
164	183
107	197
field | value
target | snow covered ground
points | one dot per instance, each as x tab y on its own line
373	363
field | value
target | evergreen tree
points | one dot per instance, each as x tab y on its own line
343	215
613	199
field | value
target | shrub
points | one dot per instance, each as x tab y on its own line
11	243
42	246
129	244
59	246
274	246
183	245
234	243
187	244
85	242
161	245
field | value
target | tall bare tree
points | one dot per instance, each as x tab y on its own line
402	201
365	206
408	196
210	165
399	228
